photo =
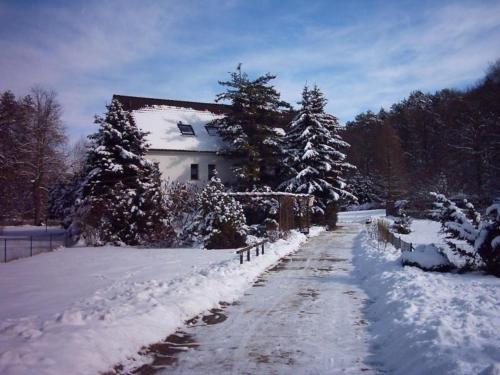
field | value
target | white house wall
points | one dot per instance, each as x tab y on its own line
176	165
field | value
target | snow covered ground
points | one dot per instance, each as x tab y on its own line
426	322
81	310
424	232
304	316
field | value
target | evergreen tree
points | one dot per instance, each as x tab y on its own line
314	154
488	241
121	193
457	225
220	221
365	188
255	109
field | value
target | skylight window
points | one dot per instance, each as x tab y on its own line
211	130
185	129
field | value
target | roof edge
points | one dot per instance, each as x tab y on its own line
131	103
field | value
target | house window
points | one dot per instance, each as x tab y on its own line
194	171
211	171
185	129
211	130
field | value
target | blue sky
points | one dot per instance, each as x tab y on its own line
363	54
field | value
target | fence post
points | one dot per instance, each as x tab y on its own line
241	257
257	250
31	246
262	247
248	255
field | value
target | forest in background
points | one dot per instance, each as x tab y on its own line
447	142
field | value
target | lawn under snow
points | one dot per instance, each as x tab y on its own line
427	322
424	232
81	310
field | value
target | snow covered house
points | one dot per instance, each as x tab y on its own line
180	139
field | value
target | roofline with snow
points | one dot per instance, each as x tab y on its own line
132	103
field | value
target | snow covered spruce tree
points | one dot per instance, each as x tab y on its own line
488	241
313	155
255	109
365	188
220	221
120	197
458	225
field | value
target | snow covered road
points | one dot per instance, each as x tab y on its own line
303	316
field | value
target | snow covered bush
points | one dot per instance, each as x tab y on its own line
120	198
220	220
427	258
181	202
402	224
487	243
314	159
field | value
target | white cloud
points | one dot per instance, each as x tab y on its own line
180	50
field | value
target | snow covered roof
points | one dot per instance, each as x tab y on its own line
162	117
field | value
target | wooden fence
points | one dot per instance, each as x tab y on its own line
259	248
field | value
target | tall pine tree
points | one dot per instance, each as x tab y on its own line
314	153
254	110
120	198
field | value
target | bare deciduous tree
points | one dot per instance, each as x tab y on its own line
31	152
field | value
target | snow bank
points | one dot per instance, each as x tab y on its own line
105	307
426	257
426	322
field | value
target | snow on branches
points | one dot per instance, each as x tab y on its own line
487	243
459	225
254	111
220	221
121	190
314	155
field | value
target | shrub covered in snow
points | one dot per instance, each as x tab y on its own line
427	258
402	224
220	221
181	202
487	243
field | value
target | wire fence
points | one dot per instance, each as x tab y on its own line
398	243
384	234
16	247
